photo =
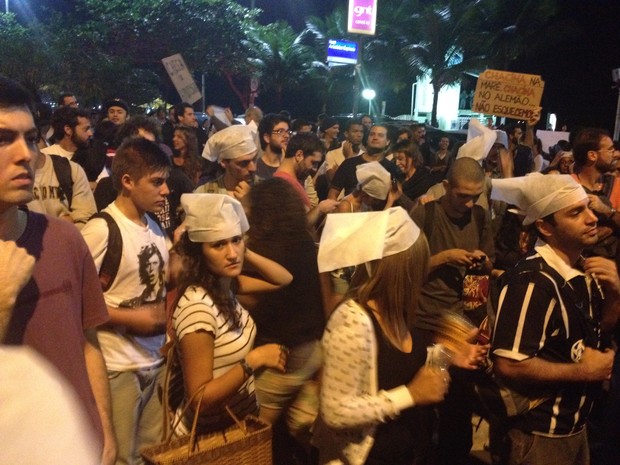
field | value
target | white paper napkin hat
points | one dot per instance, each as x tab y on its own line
351	239
538	195
213	217
374	179
232	142
480	139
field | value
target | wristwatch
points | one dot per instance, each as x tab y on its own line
247	369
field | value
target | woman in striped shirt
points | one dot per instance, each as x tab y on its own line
214	334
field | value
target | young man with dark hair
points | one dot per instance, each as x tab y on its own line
131	341
185	116
67	99
303	154
59	308
72	130
555	311
351	147
344	178
273	134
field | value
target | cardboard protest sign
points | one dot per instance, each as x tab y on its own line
512	95
182	78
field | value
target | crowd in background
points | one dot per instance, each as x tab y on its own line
305	271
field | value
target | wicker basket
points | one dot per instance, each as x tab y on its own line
232	446
247	442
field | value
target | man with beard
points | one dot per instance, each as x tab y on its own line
554	313
235	150
303	154
61	187
419	138
595	161
345	177
274	134
72	130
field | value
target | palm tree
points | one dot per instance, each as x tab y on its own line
443	30
509	30
337	82
281	59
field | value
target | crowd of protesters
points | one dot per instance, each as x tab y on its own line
361	289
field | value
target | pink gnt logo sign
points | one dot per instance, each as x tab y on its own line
362	16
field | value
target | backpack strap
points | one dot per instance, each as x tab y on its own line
113	254
429	217
62	168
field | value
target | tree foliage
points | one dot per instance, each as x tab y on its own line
282	61
115	47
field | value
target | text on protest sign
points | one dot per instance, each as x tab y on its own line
512	95
182	78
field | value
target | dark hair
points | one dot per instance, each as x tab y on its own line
61	98
137	157
195	272
307	142
298	123
13	94
404	130
131	127
587	139
352	122
144	255
266	125
94	157
192	166
179	110
276	213
66	116
411	150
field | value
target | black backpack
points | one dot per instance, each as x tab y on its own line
114	251
62	168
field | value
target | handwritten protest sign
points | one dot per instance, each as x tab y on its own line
182	78
513	95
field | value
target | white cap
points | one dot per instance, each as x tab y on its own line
538	195
351	239
232	142
373	179
213	217
480	139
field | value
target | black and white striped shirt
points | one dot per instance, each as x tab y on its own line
542	313
196	311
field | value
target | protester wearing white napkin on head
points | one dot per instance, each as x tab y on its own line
369	332
213	332
374	183
235	149
554	309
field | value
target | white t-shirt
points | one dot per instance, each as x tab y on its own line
42	420
47	196
56	149
140	279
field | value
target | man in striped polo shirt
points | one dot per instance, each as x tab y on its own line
549	344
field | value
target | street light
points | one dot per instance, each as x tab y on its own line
369	94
